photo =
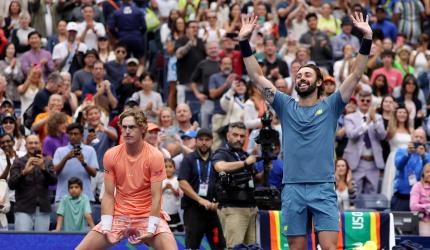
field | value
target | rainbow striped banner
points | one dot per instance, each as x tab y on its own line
357	228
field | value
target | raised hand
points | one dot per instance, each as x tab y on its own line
362	24
248	25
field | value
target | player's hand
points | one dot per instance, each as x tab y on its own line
134	240
362	24
249	23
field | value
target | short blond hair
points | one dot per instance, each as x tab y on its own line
137	113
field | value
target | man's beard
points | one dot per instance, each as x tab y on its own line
204	150
309	91
236	145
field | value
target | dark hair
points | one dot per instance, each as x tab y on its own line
7	46
10	5
16	130
3	134
384	89
230	17
268	39
187	24
146	74
55	77
402	106
171	161
75	125
387	52
170	21
34	32
381	108
318	75
347	167
75	180
406	79
239	125
120	45
310	15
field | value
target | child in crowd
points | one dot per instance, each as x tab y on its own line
74	209
420	201
172	196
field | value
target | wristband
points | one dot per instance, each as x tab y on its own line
153	223
106	222
245	48
366	45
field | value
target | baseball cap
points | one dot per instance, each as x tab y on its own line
72	26
131	102
102	38
132	60
346	21
7	116
6	101
153	126
204	132
330	79
189	134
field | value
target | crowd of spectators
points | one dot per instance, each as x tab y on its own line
68	68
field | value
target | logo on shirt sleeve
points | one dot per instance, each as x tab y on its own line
318	112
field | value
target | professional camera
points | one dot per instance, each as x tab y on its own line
266	197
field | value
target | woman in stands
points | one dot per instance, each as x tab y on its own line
420	201
398	136
345	186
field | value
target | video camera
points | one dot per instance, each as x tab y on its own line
267	198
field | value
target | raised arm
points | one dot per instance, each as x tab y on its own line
252	67
348	86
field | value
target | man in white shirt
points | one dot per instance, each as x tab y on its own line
89	30
65	51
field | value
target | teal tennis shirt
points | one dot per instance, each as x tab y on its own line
308	137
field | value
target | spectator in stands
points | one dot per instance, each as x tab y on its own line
183	119
379	90
200	83
45	16
116	69
75	159
69	98
128	24
89	30
166	121
345	186
129	83
233	102
411	96
420	57
234	22
19	35
10	68
2	88
339	42
328	23
420	202
402	62
408	15
7	106
197	181
341	139
152	138
254	108
172	196
365	130
219	83
409	163
59	37
30	176
12	19
149	100
329	86
78	12
104	50
318	42
65	52
398	136
37	56
104	92
84	75
394	76
40	123
341	67
212	32
57	134
101	138
11	126
29	89
276	67
383	23
4	205
190	51
74	209
296	22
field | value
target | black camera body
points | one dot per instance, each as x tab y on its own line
267	137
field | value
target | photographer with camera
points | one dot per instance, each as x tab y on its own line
30	176
196	179
409	164
75	159
237	209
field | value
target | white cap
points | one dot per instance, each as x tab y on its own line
132	60
72	26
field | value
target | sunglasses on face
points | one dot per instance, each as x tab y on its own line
120	51
365	100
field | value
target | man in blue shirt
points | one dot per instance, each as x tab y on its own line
384	24
308	130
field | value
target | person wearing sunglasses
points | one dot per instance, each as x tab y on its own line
365	129
10	126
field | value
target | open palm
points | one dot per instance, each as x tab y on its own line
362	24
248	25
